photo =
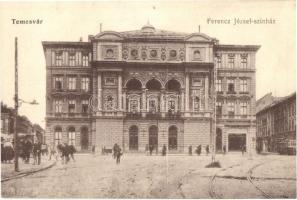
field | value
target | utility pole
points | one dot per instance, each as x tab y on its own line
213	119
16	105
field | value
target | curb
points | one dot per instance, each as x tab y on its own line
22	174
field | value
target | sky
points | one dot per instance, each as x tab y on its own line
68	21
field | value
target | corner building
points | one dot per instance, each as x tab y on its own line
150	87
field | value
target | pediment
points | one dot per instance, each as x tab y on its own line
109	35
198	37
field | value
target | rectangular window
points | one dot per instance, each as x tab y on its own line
85	106
71	138
231	85
58	83
231	58
219	85
152	106
58	137
196	104
231	109
243	62
58	106
59	58
219	62
85	82
243	85
72	59
71	106
218	108
85	60
133	105
171	105
71	83
110	81
243	108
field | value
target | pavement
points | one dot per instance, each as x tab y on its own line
174	176
8	172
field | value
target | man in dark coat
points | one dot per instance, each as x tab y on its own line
207	149
118	155
164	150
190	150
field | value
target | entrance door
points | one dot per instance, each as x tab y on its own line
153	136
172	138
133	138
84	138
236	141
219	140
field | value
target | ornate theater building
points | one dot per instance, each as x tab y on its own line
150	87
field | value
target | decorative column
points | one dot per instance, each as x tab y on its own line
119	92
99	80
187	93
124	100
206	94
143	105
182	101
162	103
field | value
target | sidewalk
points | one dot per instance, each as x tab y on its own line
7	169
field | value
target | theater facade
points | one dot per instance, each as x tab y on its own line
150	87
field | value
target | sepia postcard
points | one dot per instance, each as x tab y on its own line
148	99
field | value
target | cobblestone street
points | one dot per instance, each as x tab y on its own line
173	176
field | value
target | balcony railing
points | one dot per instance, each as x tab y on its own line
68	115
249	117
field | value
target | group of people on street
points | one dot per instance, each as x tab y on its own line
26	148
65	151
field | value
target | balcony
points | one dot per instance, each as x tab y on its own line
236	117
68	115
172	114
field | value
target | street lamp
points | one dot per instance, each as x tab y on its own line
17	103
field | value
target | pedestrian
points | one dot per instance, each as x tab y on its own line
147	149
35	152
115	149
71	150
207	149
39	153
151	149
8	151
118	155
242	149
224	149
52	152
164	150
93	149
190	150
199	150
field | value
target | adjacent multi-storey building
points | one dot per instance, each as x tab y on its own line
276	125
150	87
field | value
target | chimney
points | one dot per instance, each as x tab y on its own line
100	27
80	39
199	29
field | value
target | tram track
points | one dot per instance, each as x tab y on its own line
248	178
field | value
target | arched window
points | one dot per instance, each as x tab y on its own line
172	138
133	138
71	136
173	86
133	84
57	135
153	84
197	55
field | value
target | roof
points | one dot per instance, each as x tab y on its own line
237	47
277	101
66	44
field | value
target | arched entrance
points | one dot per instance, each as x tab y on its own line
84	138
133	138
219	139
172	138
153	136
